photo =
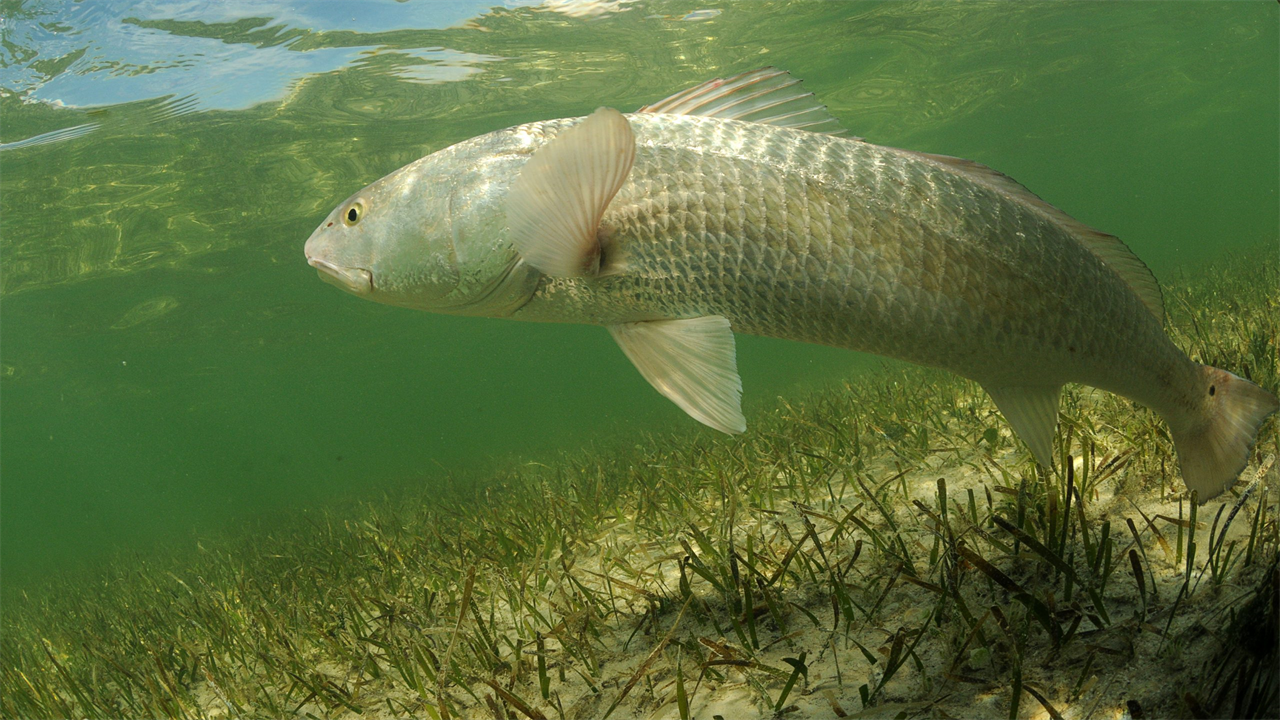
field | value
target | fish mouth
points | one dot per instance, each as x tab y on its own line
353	280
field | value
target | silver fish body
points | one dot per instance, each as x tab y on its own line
806	236
821	239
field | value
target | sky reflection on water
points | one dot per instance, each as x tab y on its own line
102	52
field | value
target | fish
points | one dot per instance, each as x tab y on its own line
742	205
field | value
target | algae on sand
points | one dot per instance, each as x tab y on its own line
881	549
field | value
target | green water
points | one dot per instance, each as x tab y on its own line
172	369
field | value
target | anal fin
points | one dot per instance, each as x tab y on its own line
692	362
1032	411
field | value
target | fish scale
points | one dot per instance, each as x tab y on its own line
864	249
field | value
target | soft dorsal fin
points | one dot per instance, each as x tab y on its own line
693	363
1108	248
1032	412
554	206
768	95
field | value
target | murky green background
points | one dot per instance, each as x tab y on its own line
172	368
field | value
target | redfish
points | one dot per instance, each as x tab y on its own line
736	206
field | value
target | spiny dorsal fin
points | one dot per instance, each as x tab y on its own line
1108	248
554	206
693	363
768	95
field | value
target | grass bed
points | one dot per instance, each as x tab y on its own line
880	549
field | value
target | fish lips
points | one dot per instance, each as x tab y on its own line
354	280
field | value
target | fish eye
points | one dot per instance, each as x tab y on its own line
353	213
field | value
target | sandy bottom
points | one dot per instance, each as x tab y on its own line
669	632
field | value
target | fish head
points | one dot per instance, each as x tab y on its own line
384	243
429	236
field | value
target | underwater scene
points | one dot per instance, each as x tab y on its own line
720	359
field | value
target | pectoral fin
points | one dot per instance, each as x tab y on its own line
1033	413
693	363
555	205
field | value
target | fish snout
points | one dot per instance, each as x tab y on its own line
353	280
321	253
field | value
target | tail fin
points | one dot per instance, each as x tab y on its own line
1213	451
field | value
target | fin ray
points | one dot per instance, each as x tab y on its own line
554	206
1213	451
692	362
1032	412
767	95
